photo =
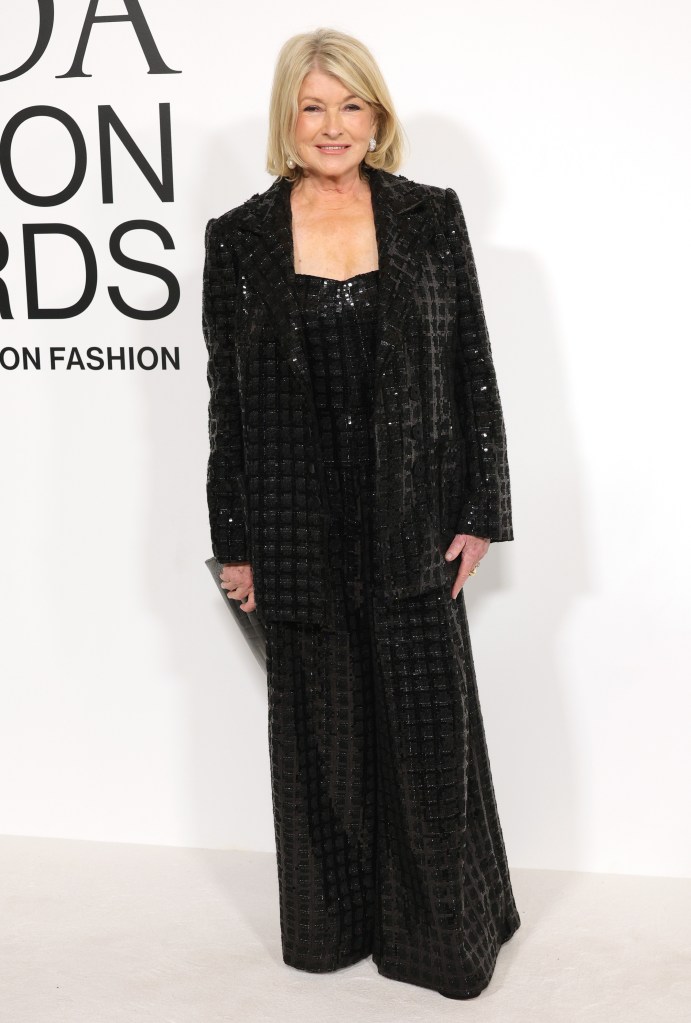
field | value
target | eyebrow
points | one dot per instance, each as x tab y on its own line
352	96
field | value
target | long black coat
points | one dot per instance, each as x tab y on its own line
441	458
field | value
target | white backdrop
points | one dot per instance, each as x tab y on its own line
131	710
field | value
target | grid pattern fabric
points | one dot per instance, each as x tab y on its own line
388	838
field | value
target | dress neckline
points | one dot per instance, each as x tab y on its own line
335	280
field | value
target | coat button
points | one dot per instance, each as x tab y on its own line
416	430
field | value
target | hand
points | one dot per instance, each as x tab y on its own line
472	550
238	580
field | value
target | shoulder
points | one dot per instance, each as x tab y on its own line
250	208
442	199
408	185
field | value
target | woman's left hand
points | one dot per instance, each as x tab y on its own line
472	550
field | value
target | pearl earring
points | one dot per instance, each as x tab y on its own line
291	163
372	144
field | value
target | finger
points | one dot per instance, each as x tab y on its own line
458	582
468	560
237	591
228	574
250	604
235	580
456	546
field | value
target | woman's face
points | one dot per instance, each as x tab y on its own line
329	115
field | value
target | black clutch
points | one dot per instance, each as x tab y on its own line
251	624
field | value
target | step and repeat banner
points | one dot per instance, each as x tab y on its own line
75	133
132	708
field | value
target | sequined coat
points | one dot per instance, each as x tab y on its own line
441	463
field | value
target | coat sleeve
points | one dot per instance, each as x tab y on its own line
225	481
486	509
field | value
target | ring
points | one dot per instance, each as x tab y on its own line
475	569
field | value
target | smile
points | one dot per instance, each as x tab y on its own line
332	149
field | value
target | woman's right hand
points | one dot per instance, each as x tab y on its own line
238	580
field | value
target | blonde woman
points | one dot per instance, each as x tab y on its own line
357	476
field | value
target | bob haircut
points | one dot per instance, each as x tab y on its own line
349	60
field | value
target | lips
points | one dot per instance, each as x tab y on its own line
334	149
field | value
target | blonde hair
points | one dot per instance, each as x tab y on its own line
349	60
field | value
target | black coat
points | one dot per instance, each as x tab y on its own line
441	463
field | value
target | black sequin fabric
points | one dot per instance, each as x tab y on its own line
340	331
387	832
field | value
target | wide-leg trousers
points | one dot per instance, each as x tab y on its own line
387	830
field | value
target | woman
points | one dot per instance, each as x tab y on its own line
357	449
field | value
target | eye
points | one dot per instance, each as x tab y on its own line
312	106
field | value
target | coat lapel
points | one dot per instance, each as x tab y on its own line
402	223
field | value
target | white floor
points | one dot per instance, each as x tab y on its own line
98	932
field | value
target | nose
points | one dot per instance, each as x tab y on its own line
332	123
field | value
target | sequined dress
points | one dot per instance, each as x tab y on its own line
388	838
340	330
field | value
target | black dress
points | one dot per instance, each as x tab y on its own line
388	839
